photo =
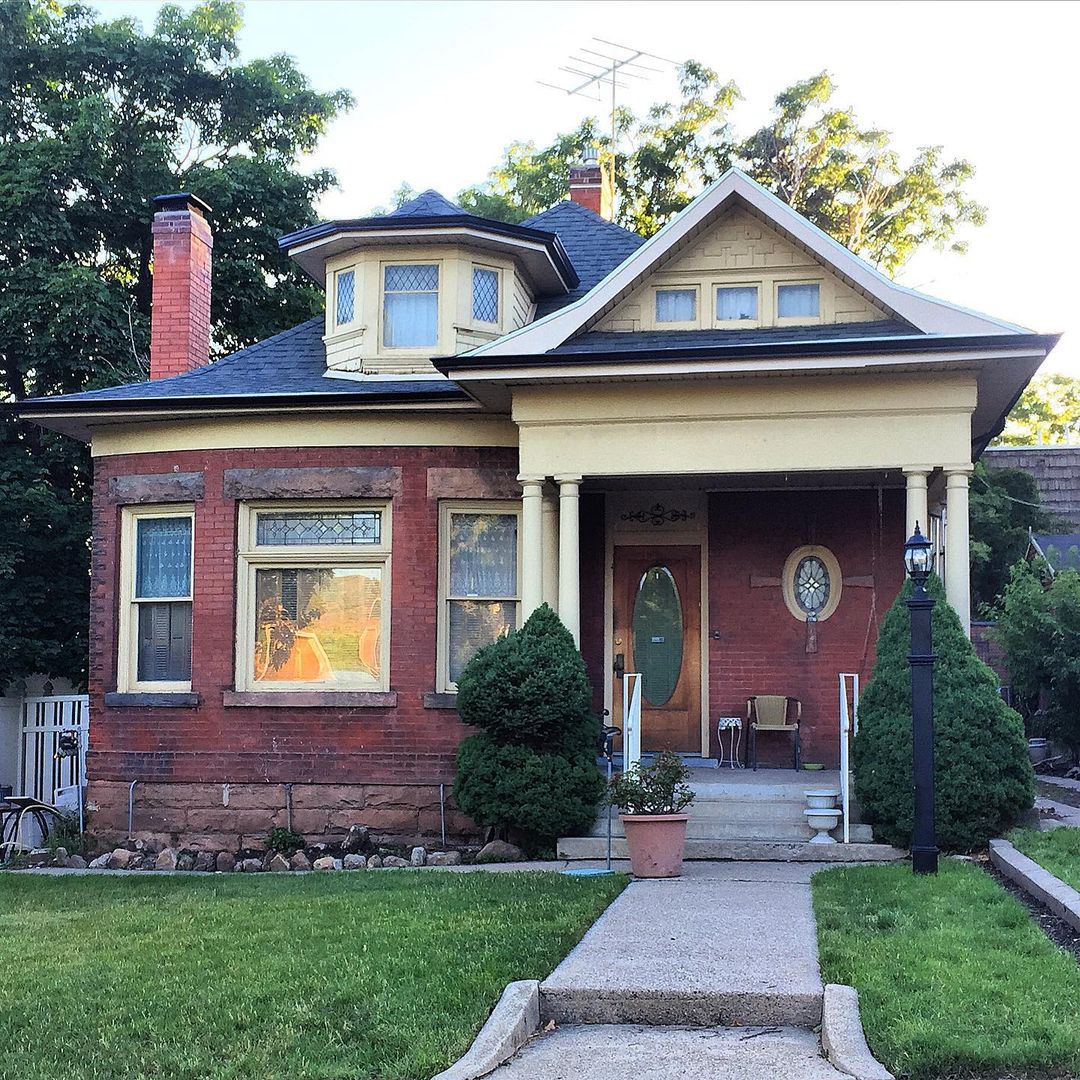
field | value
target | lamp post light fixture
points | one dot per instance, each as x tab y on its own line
919	560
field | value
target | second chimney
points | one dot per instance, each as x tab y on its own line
590	185
180	314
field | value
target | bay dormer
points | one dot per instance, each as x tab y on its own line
428	279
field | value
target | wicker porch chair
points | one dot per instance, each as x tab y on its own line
773	712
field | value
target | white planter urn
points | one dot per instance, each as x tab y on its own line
823	815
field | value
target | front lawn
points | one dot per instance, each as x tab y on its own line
384	974
953	976
1057	850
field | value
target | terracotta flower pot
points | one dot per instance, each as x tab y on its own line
656	843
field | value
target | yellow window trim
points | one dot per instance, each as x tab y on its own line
251	557
411	350
737	324
679	324
799	320
479	324
127	638
459	506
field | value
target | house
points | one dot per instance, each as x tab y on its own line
1055	470
705	450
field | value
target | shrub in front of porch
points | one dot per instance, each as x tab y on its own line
530	772
983	775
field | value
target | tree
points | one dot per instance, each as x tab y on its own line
982	772
1048	412
1005	505
95	118
814	155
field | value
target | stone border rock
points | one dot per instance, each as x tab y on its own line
1063	900
511	1024
842	1036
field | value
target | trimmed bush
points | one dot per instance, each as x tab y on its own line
983	775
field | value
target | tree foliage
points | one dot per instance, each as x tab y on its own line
1005	505
1038	625
1048	412
983	775
96	118
813	154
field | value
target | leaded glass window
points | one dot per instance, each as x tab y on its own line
346	297
735	303
410	306
324	528
812	584
676	305
485	295
798	301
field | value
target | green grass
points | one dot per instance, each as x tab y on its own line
1057	850
387	974
953	976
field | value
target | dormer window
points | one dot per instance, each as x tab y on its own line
345	289
676	305
737	303
410	306
798	301
485	295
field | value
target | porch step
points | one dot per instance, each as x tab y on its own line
749	826
747	850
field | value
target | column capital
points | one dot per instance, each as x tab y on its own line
917	470
956	475
529	479
568	479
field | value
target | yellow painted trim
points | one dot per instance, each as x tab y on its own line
836	580
313	429
127	658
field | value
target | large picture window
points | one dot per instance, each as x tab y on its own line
479	585
314	598
156	594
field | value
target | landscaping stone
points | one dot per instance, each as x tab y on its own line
61	856
121	859
204	861
375	862
101	862
396	862
325	863
300	861
166	860
76	862
418	856
251	866
354	862
186	861
279	865
500	851
357	840
225	863
40	857
444	858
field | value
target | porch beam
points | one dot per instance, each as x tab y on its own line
532	543
957	543
569	555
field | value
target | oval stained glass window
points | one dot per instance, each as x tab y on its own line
812	584
657	627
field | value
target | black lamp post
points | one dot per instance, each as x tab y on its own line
919	560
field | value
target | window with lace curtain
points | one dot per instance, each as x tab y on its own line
410	305
479	581
155	599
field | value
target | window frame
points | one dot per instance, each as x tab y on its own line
127	638
499	299
836	581
799	320
421	349
677	324
734	324
252	557
338	324
447	508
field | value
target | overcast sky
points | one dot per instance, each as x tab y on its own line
442	87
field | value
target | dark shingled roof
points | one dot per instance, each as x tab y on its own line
595	247
428	204
602	341
289	364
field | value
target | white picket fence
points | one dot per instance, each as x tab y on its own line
42	773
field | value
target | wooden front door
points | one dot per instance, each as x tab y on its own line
657	625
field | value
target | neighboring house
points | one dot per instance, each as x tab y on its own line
1060	551
705	450
1055	470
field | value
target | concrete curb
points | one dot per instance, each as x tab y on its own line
510	1025
1063	900
842	1036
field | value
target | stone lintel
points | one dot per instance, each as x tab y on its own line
332	482
473	484
171	487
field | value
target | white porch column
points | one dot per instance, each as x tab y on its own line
551	552
532	544
957	544
917	506
569	555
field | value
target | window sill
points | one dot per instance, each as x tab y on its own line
312	699
446	700
175	699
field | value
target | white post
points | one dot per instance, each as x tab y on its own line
917	506
532	544
569	556
551	552
957	544
631	720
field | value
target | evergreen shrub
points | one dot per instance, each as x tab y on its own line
983	776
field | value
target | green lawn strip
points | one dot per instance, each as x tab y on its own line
385	975
1056	850
953	976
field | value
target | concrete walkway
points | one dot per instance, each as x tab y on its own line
726	944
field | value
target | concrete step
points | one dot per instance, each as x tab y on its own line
714	829
745	849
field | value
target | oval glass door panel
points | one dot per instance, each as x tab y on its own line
658	634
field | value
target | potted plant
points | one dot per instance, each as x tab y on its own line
651	800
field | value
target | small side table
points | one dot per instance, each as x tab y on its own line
732	724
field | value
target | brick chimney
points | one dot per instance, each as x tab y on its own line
180	315
590	184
